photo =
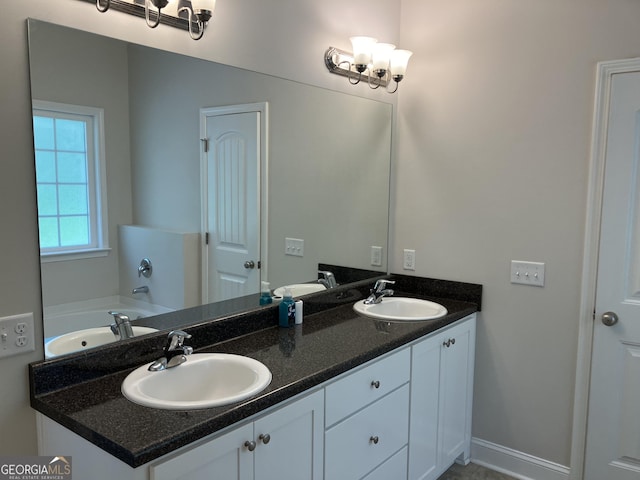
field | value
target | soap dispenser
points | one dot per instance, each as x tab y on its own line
287	310
265	294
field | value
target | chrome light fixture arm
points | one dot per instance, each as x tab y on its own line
102	9
335	59
159	4
199	18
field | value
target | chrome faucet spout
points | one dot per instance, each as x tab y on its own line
122	326
327	279
379	291
142	289
175	352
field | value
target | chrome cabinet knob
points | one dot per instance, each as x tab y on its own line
265	437
374	439
375	384
249	264
250	444
609	319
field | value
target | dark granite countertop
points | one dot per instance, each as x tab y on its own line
82	392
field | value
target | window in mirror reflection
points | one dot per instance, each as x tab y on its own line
71	198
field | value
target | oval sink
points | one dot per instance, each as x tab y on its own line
204	380
299	289
84	339
402	309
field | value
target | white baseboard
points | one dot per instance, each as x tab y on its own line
514	463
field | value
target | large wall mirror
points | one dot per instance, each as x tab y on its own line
324	176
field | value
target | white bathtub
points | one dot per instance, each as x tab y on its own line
61	319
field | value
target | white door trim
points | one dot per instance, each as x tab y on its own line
605	72
263	109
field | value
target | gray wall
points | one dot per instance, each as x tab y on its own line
494	146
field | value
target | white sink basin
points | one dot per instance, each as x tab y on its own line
204	380
299	289
401	309
84	339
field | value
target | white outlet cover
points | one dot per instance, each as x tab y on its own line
376	256
409	259
17	334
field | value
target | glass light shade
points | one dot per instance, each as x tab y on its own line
399	61
362	49
209	5
381	55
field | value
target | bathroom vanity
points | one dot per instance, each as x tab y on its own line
350	397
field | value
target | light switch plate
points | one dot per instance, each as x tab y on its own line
527	273
294	246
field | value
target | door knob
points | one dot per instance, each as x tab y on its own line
249	264
609	319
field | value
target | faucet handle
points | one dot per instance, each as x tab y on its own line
175	339
382	284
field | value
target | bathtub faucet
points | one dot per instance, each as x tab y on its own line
143	289
122	328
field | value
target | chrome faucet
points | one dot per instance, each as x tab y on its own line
122	328
175	352
378	291
328	279
142	289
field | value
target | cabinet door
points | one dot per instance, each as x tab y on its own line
456	385
225	458
425	379
290	441
441	400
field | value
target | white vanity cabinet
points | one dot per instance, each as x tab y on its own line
367	418
284	444
441	400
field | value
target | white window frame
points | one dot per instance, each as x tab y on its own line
97	184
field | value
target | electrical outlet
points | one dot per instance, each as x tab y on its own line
527	273
294	246
376	256
17	334
409	260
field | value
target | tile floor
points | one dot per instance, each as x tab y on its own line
473	472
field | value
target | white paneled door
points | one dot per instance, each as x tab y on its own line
231	204
613	428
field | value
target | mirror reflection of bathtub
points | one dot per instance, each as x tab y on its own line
77	326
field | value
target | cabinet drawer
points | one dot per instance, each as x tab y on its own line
367	385
350	451
394	468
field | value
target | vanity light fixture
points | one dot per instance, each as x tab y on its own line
198	12
377	63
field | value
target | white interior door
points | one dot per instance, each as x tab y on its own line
231	203
613	427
